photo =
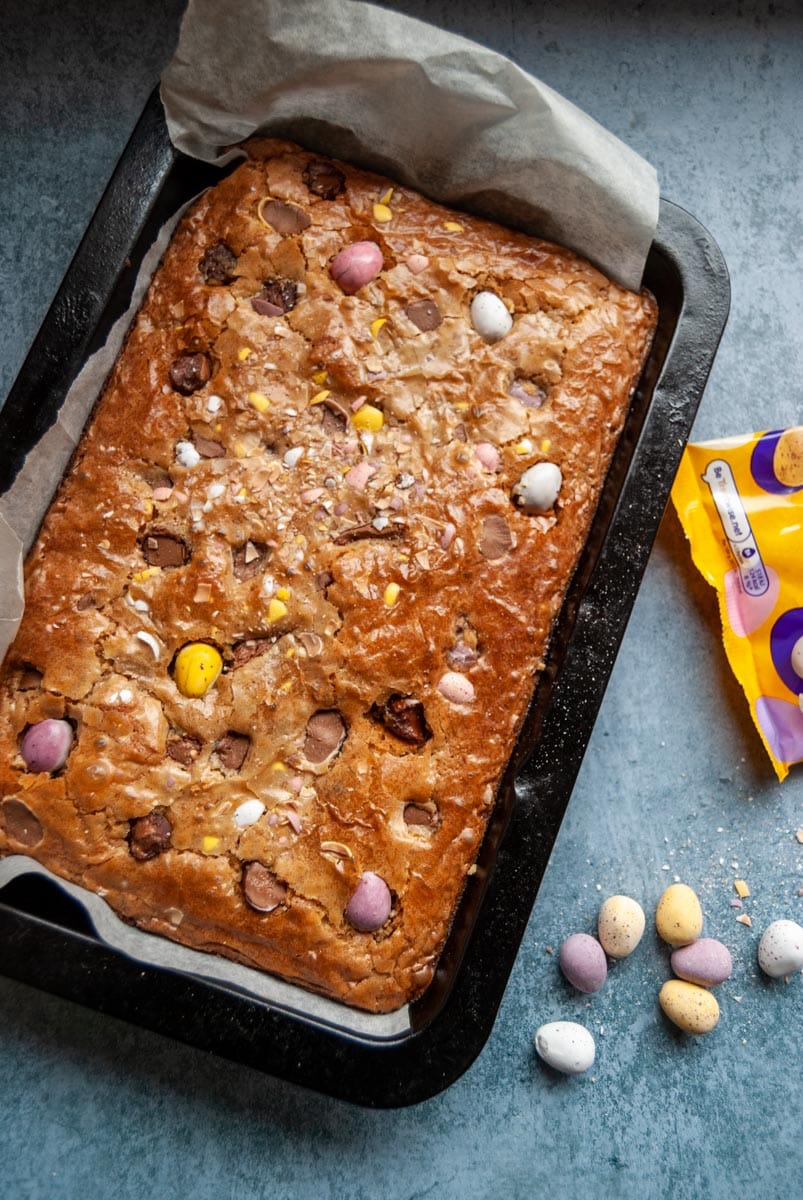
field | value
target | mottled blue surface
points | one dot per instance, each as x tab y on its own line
674	781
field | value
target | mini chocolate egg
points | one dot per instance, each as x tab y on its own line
582	961
370	903
538	488
489	316
620	925
678	917
705	962
690	1007
46	745
566	1046
780	951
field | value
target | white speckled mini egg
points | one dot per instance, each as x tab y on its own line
566	1046
620	925
780	951
489	316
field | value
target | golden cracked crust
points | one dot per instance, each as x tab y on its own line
577	344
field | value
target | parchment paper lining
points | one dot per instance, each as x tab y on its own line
452	119
155	951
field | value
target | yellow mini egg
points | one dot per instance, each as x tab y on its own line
678	917
690	1007
197	667
620	926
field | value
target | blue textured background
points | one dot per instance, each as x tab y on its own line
674	781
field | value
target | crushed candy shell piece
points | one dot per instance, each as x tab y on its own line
319	397
319	377
453	226
259	401
382	213
743	919
377	325
276	610
742	890
150	641
187	455
391	594
368	419
488	455
209	843
243	353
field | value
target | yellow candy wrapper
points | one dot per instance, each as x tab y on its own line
740	501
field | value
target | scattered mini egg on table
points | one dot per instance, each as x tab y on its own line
566	1047
780	951
678	917
691	1007
582	961
620	926
705	962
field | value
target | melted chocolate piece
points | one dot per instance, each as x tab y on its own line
232	750
22	825
528	392
218	264
324	580
495	540
324	179
150	835
326	732
85	602
368	531
263	890
286	219
164	549
425	314
332	421
403	716
190	372
183	749
243	652
278	296
414	814
31	677
207	447
249	560
461	656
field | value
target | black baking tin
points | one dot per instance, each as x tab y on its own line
45	938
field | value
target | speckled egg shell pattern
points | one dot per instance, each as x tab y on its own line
223	494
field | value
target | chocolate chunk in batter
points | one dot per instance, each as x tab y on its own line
183	748
207	447
425	314
278	296
243	652
21	825
30	677
403	716
286	219
263	891
190	372
218	263
355	532
150	835
324	179
324	580
162	548
326	732
249	560
86	601
495	540
232	750
415	814
332	421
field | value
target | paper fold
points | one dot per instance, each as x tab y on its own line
456	121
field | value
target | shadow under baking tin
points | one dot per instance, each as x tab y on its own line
401	1058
